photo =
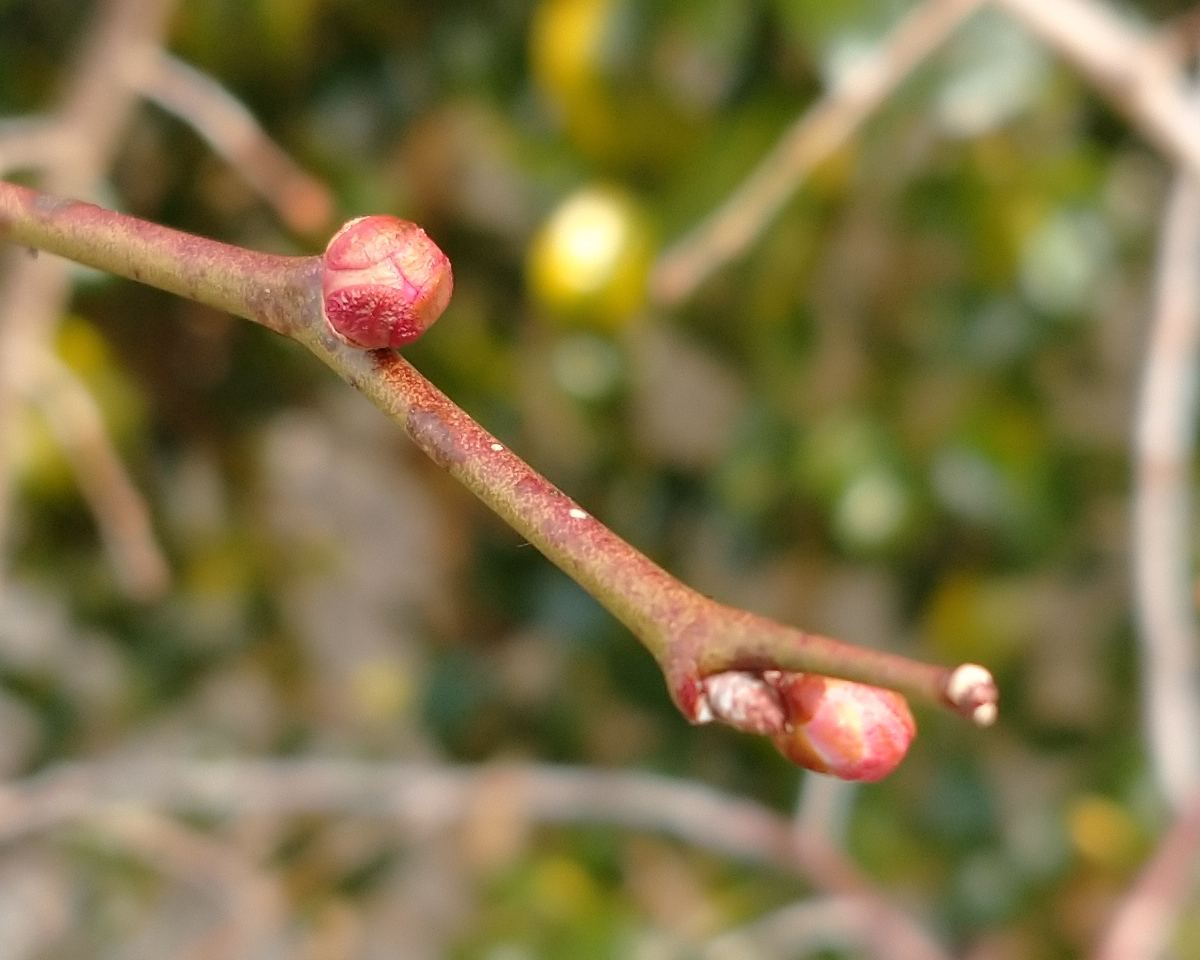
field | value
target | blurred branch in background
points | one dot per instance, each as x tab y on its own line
251	904
1142	76
32	143
1162	507
819	132
801	929
425	799
302	202
1141	926
823	806
78	425
71	150
1126	64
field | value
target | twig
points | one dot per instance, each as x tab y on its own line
32	298
122	60
1164	447
430	798
1136	70
254	904
1126	64
819	133
119	509
302	202
424	798
1141	926
31	143
823	805
799	929
1179	38
96	106
98	100
691	635
282	293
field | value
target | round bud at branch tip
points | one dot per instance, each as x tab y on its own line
971	690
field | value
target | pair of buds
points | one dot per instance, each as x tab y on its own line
850	730
384	283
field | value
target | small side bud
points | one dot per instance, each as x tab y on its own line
745	701
850	730
384	282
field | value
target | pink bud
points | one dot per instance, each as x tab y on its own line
850	730
384	282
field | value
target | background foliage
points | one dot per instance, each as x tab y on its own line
902	419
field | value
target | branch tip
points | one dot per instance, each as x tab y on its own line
985	714
971	690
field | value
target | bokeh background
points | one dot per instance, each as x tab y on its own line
903	417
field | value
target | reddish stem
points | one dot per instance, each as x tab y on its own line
281	293
690	635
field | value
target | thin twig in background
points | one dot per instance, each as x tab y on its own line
1136	70
94	113
819	133
1162	542
426	799
252	903
823	806
121	513
300	200
123	61
800	929
31	143
1126	64
1142	924
1179	38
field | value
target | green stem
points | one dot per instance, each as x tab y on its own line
690	635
